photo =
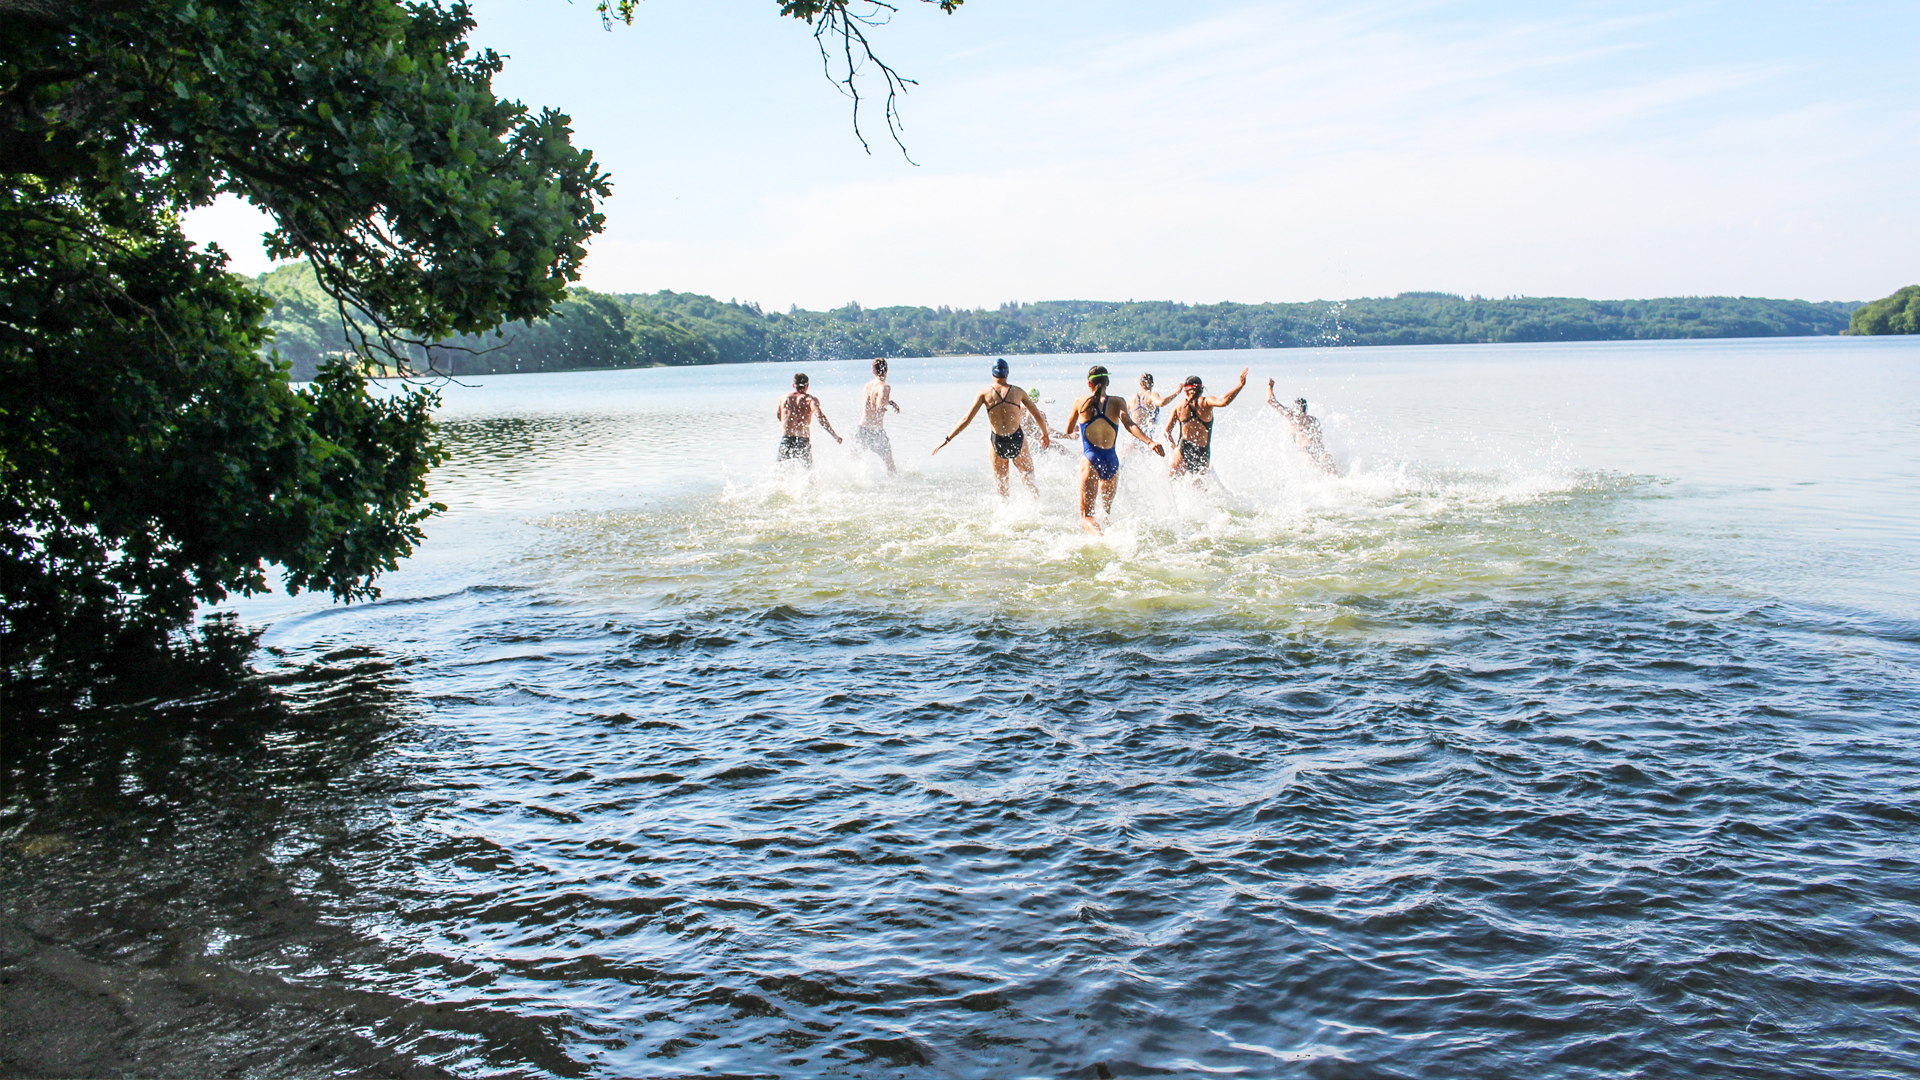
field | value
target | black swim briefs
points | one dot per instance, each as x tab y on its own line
1009	446
796	447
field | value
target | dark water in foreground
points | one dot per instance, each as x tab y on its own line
1554	737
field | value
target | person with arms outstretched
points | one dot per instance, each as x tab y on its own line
872	432
1194	417
1100	418
1306	431
1006	405
1146	403
796	414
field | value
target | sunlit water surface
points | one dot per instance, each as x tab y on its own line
1569	731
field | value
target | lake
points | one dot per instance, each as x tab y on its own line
1568	731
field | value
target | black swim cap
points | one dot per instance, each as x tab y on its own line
1302	402
1000	368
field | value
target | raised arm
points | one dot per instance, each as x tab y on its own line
978	401
1233	393
1046	440
1275	402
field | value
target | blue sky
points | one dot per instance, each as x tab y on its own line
1209	151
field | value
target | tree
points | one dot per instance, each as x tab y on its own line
149	457
1896	314
840	30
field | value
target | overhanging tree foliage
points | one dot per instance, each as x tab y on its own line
840	30
149	457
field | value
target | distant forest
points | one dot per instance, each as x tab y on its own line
600	330
1896	314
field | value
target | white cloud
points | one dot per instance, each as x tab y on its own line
1256	151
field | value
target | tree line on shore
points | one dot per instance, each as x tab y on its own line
600	330
1896	314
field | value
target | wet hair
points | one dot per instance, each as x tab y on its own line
879	365
1192	380
1000	368
1302	402
1096	373
799	379
1147	380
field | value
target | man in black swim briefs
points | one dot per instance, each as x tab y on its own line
1006	404
796	413
1195	419
1100	418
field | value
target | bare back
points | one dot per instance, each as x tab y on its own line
877	396
796	413
1006	404
1088	413
1196	421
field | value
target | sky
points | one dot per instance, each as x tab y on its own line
1214	150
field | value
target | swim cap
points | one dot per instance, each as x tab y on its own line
1096	373
1302	402
1000	368
1033	392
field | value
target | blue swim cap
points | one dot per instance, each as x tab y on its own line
1000	368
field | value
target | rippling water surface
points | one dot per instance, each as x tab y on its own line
1569	731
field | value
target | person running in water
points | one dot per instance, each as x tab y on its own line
1146	403
1028	428
1099	417
796	413
1194	416
1006	404
872	432
1306	431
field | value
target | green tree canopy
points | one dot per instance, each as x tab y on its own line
1897	314
149	456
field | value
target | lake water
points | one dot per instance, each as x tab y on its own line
1569	731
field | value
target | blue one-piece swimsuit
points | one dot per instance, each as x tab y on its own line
1105	462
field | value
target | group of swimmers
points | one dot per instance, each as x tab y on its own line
1013	417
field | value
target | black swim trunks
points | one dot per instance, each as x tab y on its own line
796	447
1195	458
1009	446
874	439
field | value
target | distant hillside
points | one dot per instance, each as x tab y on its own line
1897	314
588	330
744	334
593	330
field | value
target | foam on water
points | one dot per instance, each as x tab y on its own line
1516	748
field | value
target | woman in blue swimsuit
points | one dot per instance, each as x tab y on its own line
1100	418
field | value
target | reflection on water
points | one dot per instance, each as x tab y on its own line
170	840
1515	748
